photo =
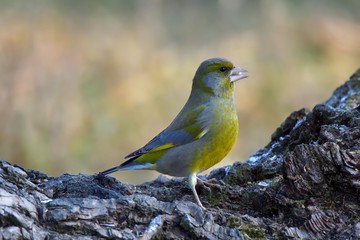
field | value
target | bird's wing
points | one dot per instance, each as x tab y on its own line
186	127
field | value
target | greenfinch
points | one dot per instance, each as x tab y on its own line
201	135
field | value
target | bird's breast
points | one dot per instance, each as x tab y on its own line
221	124
219	140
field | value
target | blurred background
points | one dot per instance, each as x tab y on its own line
83	83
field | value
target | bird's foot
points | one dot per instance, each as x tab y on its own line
209	183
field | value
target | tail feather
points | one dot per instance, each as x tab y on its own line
117	168
128	165
111	170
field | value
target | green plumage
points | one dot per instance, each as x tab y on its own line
202	133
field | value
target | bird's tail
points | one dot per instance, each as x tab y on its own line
111	170
128	165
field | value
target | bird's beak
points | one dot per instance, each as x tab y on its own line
237	74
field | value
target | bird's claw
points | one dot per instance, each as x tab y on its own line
209	183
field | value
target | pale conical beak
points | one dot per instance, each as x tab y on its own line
237	74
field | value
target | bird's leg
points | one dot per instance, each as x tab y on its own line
192	183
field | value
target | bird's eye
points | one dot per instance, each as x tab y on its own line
223	69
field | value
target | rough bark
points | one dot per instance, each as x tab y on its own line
304	184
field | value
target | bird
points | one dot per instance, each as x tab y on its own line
202	133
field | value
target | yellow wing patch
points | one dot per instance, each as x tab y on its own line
162	147
202	133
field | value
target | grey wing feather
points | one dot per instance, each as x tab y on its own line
174	137
193	125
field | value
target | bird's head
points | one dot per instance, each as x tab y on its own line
216	76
